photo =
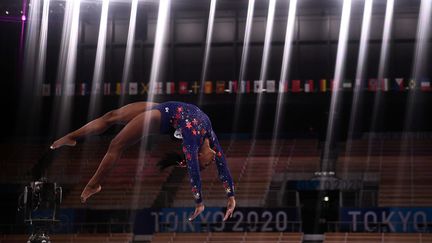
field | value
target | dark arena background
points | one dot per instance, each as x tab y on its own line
323	109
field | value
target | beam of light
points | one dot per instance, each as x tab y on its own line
289	34
66	67
361	63
22	35
244	59
129	49
338	75
29	92
99	67
419	70
264	68
382	71
160	38
161	29
40	66
420	57
207	48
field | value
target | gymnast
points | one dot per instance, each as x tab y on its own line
200	144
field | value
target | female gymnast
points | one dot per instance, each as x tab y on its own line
200	144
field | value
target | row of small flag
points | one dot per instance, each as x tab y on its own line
221	87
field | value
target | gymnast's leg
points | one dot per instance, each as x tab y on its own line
142	125
119	116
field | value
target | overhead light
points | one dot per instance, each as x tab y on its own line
7	12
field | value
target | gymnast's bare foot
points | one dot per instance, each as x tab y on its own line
89	191
66	140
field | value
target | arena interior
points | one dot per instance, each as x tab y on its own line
322	107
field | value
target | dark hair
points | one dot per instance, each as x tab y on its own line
170	159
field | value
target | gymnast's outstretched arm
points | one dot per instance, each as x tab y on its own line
140	126
119	116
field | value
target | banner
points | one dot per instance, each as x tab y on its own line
243	219
401	220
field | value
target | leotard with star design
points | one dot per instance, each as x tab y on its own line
194	126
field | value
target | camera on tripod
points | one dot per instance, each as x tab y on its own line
40	203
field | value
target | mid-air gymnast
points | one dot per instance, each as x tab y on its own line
200	144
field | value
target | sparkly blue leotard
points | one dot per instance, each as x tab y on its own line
195	126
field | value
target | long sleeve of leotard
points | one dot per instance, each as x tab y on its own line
190	150
221	164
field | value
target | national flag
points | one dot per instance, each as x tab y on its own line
159	88
220	87
323	85
107	88
133	88
384	84
119	88
183	87
245	86
83	89
46	89
332	85
70	89
309	86
58	89
232	86
170	88
271	86
208	87
372	84
196	87
295	86
258	86
283	86
412	84
425	85
144	88
399	84
347	84
96	88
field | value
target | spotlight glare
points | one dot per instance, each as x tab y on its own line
23	18
338	75
7	12
208	46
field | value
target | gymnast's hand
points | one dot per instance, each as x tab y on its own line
89	191
66	140
198	209
230	208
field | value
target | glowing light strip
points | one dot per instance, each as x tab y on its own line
264	63
67	64
340	59
245	54
382	69
361	61
99	66
420	57
40	70
129	48
289	34
207	47
163	17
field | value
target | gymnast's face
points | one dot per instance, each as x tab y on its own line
206	155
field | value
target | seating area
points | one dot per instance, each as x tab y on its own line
72	238
377	237
225	237
402	167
